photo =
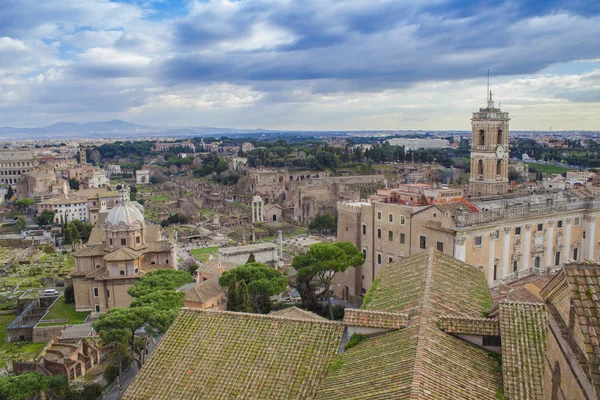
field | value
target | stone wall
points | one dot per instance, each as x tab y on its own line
42	334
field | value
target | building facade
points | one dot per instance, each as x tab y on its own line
116	255
489	151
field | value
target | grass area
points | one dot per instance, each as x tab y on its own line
546	168
15	351
61	311
203	253
160	197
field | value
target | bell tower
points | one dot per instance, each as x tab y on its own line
489	151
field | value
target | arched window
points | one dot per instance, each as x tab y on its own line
515	266
499	136
499	167
555	381
480	167
482	137
537	262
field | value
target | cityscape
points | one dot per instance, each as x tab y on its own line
254	199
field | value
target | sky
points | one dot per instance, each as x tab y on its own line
300	64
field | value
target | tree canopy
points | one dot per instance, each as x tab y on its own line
262	281
321	263
161	279
323	223
45	218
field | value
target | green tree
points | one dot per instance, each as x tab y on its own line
243	298
21	223
45	218
232	289
74	183
323	223
33	385
262	280
251	258
161	279
24	203
9	193
323	261
69	295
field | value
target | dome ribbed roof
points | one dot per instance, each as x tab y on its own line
125	212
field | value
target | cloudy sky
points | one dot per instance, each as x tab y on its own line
300	64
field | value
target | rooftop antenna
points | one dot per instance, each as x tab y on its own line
488	85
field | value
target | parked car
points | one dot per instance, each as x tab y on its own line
50	292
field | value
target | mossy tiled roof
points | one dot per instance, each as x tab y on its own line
456	288
224	355
523	330
204	291
297	313
421	361
584	282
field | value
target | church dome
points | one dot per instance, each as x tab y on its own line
126	213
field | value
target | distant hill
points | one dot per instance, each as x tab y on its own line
111	129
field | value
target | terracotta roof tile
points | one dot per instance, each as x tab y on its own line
224	355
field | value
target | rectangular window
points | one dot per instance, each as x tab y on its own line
379	258
402	220
540	227
122	273
95	292
123	242
492	341
391	236
559	224
557	258
517	231
378	233
365	254
364	229
478	241
108	293
440	246
577	221
378	214
97	308
110	240
402	238
137	238
422	242
495	272
391	217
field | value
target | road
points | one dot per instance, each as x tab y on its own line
115	393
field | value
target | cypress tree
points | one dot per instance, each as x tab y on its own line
243	298
232	299
251	258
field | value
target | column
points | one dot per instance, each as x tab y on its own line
505	252
262	211
550	244
567	255
492	248
253	213
527	248
590	233
460	248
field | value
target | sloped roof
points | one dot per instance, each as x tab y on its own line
123	254
96	236
203	291
421	361
215	267
456	288
584	282
297	313
90	251
225	355
523	331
